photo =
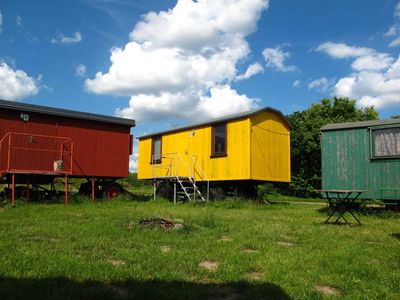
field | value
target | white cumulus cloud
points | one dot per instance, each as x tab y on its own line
18	20
340	50
213	106
252	70
80	70
177	74
62	39
395	42
296	83
195	25
372	88
376	61
321	84
133	163
364	58
375	79
220	101
16	84
275	58
392	31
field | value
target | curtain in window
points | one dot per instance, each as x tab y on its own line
387	142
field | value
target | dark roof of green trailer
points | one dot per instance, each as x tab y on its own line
23	107
227	118
361	124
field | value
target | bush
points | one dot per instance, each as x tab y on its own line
267	189
302	187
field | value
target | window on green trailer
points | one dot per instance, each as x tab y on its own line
386	142
218	143
156	150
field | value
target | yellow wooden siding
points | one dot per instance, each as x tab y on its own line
144	158
270	147
195	144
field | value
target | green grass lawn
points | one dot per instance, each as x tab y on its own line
226	250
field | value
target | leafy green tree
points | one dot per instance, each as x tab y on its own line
305	138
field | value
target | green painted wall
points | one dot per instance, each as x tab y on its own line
347	164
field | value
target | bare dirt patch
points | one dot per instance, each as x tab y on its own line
376	261
209	265
131	224
372	243
224	238
165	248
44	238
287	237
162	223
116	262
249	250
285	244
328	290
255	275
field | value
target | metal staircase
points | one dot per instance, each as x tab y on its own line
174	168
190	189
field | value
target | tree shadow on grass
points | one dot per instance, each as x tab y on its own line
396	235
63	288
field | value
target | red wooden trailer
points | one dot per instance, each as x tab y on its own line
38	144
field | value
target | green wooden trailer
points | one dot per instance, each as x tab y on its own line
363	156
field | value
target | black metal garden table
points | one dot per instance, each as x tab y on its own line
342	201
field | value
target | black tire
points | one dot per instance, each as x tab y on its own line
112	190
249	191
165	190
86	189
216	193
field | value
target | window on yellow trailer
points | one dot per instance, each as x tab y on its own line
156	147
218	143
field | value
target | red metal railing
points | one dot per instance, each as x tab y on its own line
36	154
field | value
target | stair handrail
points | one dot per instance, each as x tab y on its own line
203	173
170	166
176	161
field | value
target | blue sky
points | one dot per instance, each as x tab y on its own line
165	62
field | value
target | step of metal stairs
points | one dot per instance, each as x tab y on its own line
190	189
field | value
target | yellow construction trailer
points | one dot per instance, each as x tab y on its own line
212	158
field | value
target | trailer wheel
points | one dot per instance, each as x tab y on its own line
165	190
112	190
216	193
85	189
249	190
